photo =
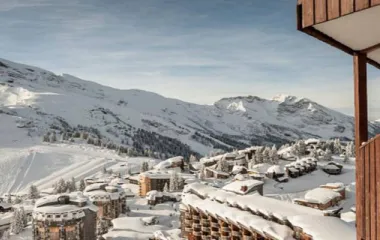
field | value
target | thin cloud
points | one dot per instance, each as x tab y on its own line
170	47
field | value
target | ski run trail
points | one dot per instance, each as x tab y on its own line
44	164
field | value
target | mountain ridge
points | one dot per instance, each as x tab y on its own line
41	101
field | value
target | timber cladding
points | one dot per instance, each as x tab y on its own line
318	11
368	197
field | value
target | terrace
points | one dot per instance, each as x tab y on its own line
352	26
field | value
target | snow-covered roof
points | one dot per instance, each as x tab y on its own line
49	207
312	141
331	167
275	169
5	205
324	228
321	195
336	185
157	174
135	177
217	171
257	203
241	177
95	186
117	181
237	169
260	168
196	165
177	159
6	218
236	186
230	155
237	216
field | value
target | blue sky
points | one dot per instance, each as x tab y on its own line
198	51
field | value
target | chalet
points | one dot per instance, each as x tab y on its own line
245	187
213	173
336	187
239	170
5	207
155	197
64	217
275	172
332	168
175	162
320	198
134	179
292	171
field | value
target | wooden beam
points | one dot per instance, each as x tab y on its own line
361	135
373	190
329	40
361	109
333	9
320	11
371	48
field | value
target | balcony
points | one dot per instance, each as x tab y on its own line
188	221
198	234
206	229
196	217
236	234
215	234
215	224
225	229
188	229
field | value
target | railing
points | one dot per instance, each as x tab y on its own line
312	12
368	190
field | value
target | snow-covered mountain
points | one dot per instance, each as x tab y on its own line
38	100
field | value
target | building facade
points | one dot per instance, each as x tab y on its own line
64	217
150	181
110	200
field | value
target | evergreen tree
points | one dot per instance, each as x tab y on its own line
301	148
313	153
33	192
53	137
23	217
337	146
60	186
72	185
166	188
328	155
63	136
82	185
17	223
258	156
273	155
346	158
192	159
104	170
6	235
46	138
266	158
9	199
17	200
174	182
222	165
202	172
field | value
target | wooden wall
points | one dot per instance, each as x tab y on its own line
318	11
368	196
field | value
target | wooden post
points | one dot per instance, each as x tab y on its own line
361	135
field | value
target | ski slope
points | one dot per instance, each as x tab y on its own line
44	164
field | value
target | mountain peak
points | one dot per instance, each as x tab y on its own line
285	98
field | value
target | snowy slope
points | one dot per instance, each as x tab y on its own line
44	164
35	100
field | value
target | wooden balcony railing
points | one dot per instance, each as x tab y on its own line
368	190
312	12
